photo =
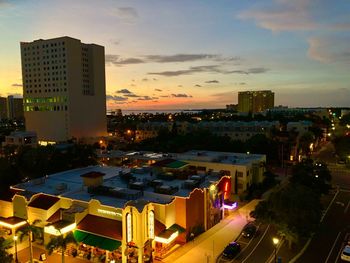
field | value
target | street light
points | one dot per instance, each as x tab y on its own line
275	241
15	239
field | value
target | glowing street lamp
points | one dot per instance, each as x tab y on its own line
275	241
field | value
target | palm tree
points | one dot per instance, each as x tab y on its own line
5	244
32	231
60	242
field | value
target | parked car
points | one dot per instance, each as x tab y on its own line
231	250
345	255
249	230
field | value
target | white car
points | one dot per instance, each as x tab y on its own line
345	255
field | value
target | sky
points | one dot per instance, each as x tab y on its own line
192	54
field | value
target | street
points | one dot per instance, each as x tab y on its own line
327	243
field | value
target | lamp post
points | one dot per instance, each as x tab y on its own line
275	241
15	239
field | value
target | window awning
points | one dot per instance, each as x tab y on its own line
96	241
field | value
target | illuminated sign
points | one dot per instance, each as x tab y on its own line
128	228
231	206
151	224
57	232
167	240
108	212
226	186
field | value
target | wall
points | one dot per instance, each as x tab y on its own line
20	207
195	209
105	211
6	208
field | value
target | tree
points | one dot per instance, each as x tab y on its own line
315	176
5	244
294	210
32	231
60	242
305	141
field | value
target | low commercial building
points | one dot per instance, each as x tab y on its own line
21	138
118	213
243	169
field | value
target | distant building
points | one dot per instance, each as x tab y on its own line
150	130
236	130
14	108
255	101
64	89
231	107
21	138
3	108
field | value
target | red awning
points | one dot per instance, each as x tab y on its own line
158	227
101	226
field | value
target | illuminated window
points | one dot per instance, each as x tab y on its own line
128	228
151	224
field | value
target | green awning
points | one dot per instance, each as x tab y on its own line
96	241
176	164
177	228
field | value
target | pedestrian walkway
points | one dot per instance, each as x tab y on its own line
209	245
23	256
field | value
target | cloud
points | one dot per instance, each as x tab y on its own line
181	95
16	85
116	60
132	95
115	42
115	98
208	69
164	96
123	91
5	3
186	58
249	71
127	15
147	98
159	90
197	85
190	71
212	81
329	49
283	15
145	79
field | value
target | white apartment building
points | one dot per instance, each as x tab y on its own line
64	89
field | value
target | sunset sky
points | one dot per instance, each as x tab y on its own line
188	54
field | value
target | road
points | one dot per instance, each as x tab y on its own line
258	249
327	243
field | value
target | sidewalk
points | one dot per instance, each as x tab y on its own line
211	242
23	256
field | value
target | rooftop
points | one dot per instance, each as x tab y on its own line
43	201
142	186
139	185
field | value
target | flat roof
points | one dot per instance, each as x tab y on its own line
69	184
220	157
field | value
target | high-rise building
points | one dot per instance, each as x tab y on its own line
64	89
255	101
14	108
3	108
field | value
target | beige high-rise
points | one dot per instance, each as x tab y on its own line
255	101
64	93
